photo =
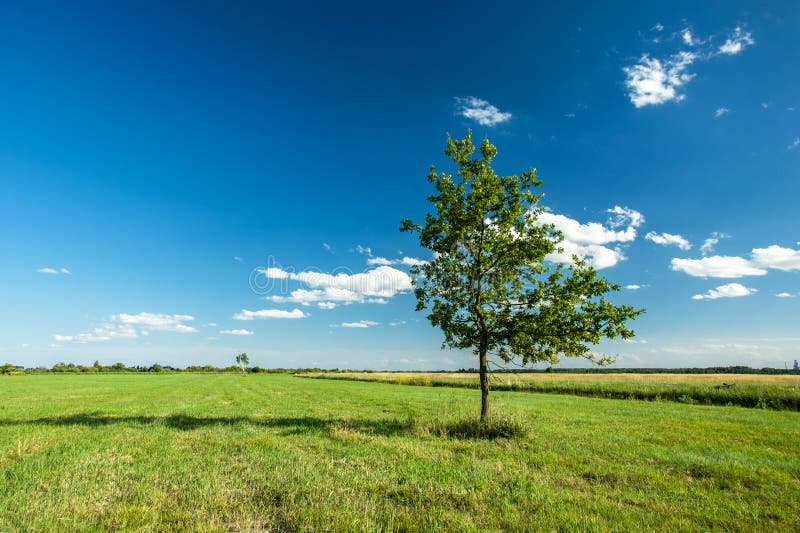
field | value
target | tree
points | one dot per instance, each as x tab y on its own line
795	366
489	286
242	360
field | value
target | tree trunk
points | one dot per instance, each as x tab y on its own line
484	370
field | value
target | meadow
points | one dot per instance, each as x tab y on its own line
746	390
225	452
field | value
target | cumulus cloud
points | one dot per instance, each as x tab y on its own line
761	259
326	291
246	314
667	239
731	290
359	324
737	42
240	332
717	266
687	37
589	240
481	111
777	257
654	82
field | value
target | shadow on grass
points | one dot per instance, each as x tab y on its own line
459	429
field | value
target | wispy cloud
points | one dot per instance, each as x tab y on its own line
667	239
737	42
708	245
363	250
246	314
785	295
481	111
360	324
655	81
239	332
56	271
795	143
634	287
721	112
327	247
406	261
732	290
127	326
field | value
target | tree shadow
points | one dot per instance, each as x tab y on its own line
186	422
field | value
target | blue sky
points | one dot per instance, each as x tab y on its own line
156	161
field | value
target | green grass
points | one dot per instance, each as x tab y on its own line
765	392
278	453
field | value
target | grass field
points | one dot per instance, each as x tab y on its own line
746	390
279	453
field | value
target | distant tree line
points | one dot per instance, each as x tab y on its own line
72	368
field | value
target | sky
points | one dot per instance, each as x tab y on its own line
180	183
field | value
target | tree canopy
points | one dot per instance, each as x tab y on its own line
490	287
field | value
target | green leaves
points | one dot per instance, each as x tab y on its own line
488	286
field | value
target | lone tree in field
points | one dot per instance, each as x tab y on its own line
242	360
489	287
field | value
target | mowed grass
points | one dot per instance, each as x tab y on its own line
746	390
280	453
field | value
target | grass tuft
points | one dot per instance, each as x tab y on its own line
496	427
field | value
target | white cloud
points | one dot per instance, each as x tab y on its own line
589	240
784	295
157	322
721	111
687	37
764	105
658	27
731	290
667	239
241	332
49	270
246	314
737	42
328	290
363	250
772	257
210	325
397	322
795	144
407	261
634	287
777	257
238	259
651	82
708	245
275	273
718	266
359	324
481	111
327	247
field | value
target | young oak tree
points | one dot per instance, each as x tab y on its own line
489	287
